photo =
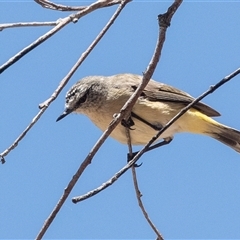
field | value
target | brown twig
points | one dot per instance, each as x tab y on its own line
140	203
60	24
88	159
59	7
43	106
137	190
34	44
128	106
27	24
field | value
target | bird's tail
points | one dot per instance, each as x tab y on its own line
202	124
226	135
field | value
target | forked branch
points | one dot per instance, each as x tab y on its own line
43	106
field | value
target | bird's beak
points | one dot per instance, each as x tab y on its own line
64	114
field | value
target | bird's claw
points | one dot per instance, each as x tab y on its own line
131	156
128	123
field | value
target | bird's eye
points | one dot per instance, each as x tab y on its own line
82	99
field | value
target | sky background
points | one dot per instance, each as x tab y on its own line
191	188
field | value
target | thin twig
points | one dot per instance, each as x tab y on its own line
140	203
59	7
61	23
137	191
27	24
43	106
87	161
141	152
127	108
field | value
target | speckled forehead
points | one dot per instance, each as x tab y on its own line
73	91
70	94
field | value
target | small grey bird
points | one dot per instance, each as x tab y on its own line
100	97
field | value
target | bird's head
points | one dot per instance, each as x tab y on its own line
85	95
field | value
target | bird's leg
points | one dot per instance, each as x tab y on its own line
155	127
127	124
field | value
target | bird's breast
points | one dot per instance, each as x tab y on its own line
157	114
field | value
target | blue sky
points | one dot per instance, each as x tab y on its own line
191	188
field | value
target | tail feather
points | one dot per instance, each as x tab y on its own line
226	135
200	123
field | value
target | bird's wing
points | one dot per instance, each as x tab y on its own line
156	91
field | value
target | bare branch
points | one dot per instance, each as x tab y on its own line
33	45
27	24
140	203
43	106
61	23
125	111
21	136
87	161
59	7
137	191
